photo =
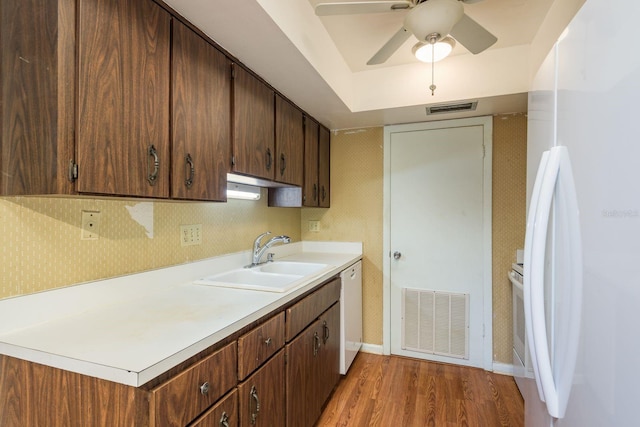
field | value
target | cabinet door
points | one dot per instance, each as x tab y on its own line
303	406
37	95
200	117
324	160
311	189
123	98
262	396
330	352
289	143
253	126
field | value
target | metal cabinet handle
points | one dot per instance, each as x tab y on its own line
397	255
224	420
325	332
254	395
153	167
268	341
204	388
269	159
316	343
324	193
315	192
283	163
192	171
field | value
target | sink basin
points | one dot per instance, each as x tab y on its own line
279	276
288	267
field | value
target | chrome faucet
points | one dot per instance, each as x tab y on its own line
258	250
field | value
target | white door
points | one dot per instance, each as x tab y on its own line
438	196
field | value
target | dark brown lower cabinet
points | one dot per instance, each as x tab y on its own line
312	369
261	396
222	414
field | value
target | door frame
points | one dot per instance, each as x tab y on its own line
487	123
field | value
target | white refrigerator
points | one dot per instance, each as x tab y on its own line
582	247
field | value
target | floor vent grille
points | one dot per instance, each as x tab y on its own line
435	322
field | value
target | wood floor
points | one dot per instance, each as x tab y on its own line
401	392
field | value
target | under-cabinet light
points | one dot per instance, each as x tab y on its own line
242	191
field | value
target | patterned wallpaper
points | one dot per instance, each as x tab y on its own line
41	247
356	213
509	221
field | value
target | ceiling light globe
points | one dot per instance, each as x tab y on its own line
441	50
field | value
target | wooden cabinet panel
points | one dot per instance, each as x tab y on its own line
308	309
262	395
311	188
329	366
258	345
225	411
253	126
37	70
181	399
200	119
324	161
301	377
123	98
312	369
289	143
36	395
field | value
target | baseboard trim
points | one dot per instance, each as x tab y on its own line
372	348
503	368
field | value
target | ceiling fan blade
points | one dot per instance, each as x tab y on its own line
352	8
472	35
390	47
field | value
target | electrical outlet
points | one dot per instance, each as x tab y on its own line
90	228
191	234
314	225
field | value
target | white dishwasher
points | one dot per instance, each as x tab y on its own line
350	315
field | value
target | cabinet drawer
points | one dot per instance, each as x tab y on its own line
225	411
255	347
182	398
307	310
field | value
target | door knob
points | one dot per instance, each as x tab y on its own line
397	255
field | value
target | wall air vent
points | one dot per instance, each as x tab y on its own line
452	108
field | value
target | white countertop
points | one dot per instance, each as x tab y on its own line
131	329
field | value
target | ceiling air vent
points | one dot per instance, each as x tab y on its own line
452	108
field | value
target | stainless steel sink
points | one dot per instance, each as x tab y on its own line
279	276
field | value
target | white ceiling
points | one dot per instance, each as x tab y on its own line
320	63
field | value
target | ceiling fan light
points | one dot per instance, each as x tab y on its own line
441	50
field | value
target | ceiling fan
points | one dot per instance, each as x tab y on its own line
428	20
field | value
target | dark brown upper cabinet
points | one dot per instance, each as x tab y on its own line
324	161
311	187
122	140
289	143
201	117
37	68
253	126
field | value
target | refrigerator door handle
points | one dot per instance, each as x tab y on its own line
527	263
536	288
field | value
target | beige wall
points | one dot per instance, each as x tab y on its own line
356	214
41	248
